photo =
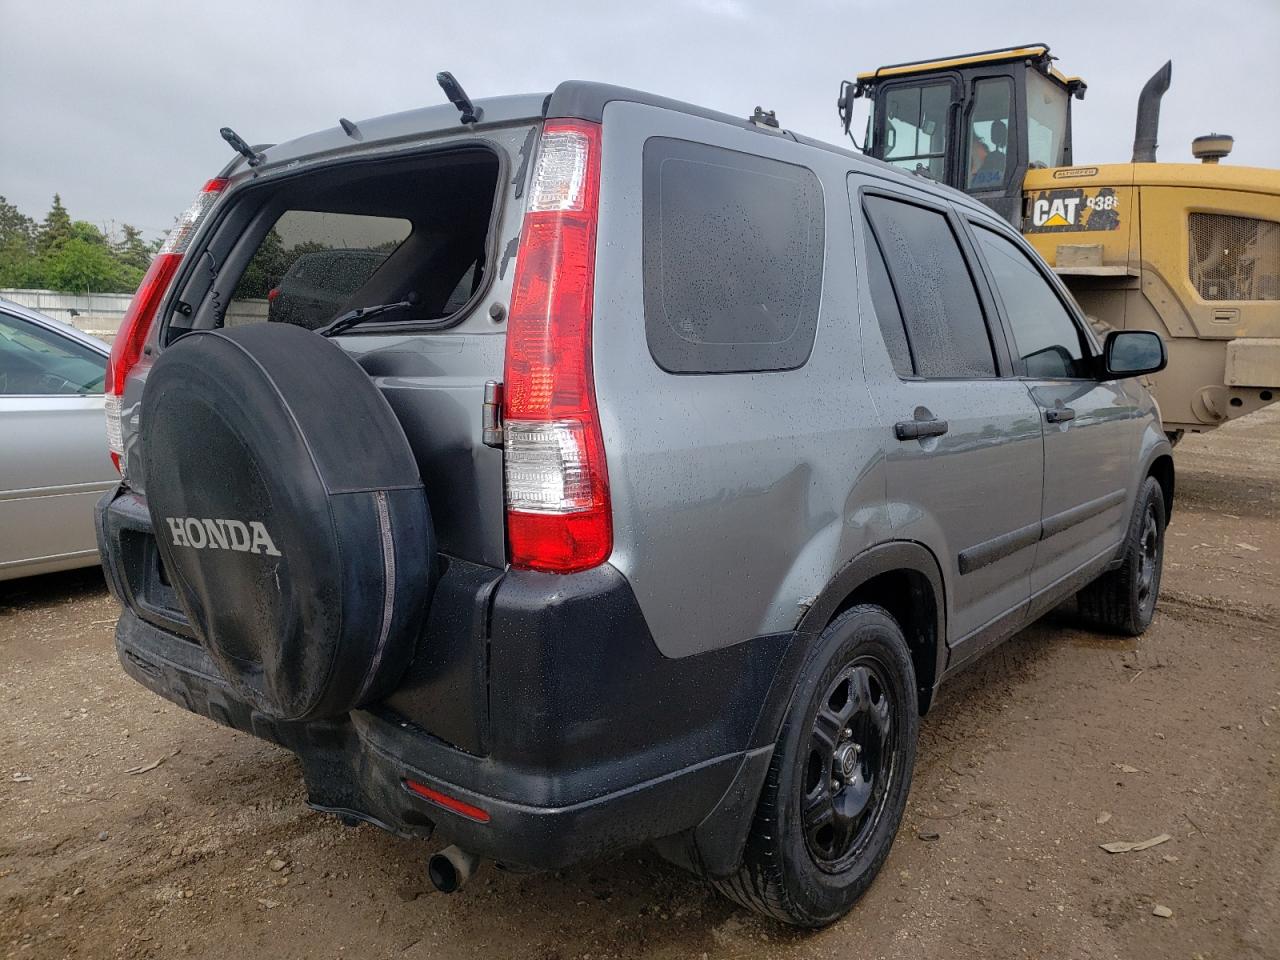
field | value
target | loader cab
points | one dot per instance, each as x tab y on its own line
976	122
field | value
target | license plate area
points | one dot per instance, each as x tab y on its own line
135	562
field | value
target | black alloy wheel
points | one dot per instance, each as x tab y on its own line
1150	548
850	765
839	776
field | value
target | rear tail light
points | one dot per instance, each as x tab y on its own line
557	488
134	329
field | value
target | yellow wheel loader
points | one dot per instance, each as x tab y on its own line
1190	250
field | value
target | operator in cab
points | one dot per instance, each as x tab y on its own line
986	164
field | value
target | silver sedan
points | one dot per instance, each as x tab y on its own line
53	445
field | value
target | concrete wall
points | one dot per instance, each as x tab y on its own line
100	314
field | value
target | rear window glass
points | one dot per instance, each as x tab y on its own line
411	233
733	248
933	290
311	264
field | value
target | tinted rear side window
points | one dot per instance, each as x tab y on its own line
733	248
886	306
934	290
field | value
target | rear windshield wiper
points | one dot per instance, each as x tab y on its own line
360	314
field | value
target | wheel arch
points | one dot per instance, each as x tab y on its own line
1161	468
904	577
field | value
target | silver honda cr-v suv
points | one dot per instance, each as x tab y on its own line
643	487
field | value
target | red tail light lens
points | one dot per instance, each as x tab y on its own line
136	326
127	346
557	488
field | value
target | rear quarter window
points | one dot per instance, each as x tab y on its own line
733	251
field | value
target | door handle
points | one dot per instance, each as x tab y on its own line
1059	414
919	429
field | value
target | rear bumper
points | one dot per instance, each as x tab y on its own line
581	737
356	766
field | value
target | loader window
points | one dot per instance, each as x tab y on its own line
989	133
1046	121
916	128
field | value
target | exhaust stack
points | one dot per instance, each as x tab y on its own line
1144	137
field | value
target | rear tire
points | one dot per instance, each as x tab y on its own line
1123	601
838	782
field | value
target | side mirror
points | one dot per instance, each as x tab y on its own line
845	104
1132	353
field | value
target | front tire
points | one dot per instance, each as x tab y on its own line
1123	601
838	781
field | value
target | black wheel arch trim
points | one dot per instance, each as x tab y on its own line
715	846
1159	463
888	557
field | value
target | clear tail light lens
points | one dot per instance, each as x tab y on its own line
547	469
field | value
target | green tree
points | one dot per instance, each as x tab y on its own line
88	232
14	225
56	229
81	265
18	265
132	250
19	268
74	256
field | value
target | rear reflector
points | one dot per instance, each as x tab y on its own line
136	326
446	801
557	489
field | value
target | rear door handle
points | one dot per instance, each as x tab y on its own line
919	429
1059	414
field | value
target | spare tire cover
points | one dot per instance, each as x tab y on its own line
290	516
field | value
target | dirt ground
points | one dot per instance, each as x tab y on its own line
129	828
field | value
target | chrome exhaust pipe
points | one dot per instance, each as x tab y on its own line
451	868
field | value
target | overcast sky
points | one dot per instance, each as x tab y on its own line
117	105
